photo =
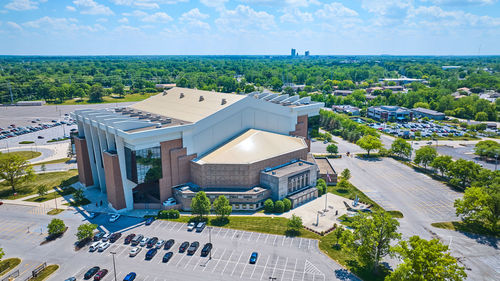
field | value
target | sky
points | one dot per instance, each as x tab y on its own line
249	27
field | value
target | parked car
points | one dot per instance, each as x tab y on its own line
115	236
149	221
193	247
100	274
93	215
200	227
94	246
168	244
191	226
206	249
130	277
167	256
71	279
152	242
40	137
129	238
104	246
91	272
105	237
253	257
183	247
144	241
137	239
114	217
99	235
134	251
169	202
160	244
151	253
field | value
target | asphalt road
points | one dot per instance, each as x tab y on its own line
465	152
284	258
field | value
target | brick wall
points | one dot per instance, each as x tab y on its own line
83	161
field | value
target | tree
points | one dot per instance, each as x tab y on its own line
369	143
425	155
15	170
441	163
372	237
321	186
287	204
78	195
401	148
42	190
463	172
332	148
481	116
96	93
2	253
487	148
295	223
338	233
56	226
346	174
222	207
269	206
480	205
200	205
425	260
279	207
118	88
85	231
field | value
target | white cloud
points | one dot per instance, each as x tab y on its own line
123	20
70	8
436	18
387	12
195	19
146	4
51	24
102	19
335	9
284	3
157	17
22	5
245	19
463	2
296	16
214	3
127	28
14	25
90	7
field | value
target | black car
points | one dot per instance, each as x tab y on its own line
129	238
115	236
150	220
99	235
206	249
193	247
183	247
167	256
168	244
151	253
91	272
152	242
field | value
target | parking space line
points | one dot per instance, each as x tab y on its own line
181	225
291	241
284	268
283	243
237	263
309	244
180	260
294	269
250	237
218	261
228	261
234	234
274	268
264	268
229	230
275	237
243	271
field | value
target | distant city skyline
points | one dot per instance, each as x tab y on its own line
249	27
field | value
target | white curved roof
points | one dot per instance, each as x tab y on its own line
253	146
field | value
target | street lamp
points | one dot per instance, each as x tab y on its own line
114	267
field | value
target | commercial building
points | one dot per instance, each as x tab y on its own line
429	113
347	109
342	92
389	113
183	141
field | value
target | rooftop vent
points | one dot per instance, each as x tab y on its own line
201	98
181	96
224	101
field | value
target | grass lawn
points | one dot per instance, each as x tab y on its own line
54	212
350	192
49	179
46	272
8	264
50	196
55	161
25	154
56	140
463	227
26	142
109	99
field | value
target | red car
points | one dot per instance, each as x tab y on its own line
129	238
100	274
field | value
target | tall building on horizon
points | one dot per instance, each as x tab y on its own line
293	53
307	53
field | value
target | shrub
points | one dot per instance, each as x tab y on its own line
169	214
288	204
269	206
279	207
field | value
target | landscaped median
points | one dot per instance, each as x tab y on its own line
8	264
45	273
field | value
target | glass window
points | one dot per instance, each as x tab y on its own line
143	165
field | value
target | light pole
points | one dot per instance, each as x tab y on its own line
114	267
210	241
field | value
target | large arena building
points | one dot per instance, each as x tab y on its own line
246	147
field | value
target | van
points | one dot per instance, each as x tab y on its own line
200	227
94	246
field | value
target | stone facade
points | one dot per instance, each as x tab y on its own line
301	129
83	161
114	184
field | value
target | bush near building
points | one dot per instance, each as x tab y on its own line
169	214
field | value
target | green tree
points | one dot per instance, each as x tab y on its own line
346	174
15	170
42	190
332	148
222	207
338	233
425	155
481	116
321	186
487	148
421	105
401	148
2	253
119	89
369	143
425	260
85	231
480	205
287	204
96	93
200	205
56	226
372	237
78	195
279	207
463	172
441	163
269	206
295	223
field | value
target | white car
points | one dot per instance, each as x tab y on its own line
134	251
104	246
144	241
105	237
191	226
169	202
160	244
114	217
94	246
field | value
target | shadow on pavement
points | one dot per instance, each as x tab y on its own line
343	274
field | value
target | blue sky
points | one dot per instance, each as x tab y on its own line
249	27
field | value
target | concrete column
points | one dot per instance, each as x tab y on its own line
90	149
98	158
115	192
127	185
